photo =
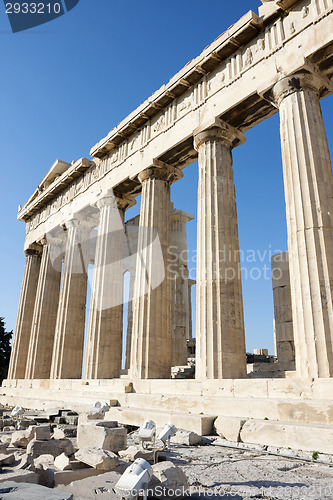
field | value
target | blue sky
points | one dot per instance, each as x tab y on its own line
65	84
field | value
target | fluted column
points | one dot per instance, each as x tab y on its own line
308	183
179	286
45	313
131	247
22	330
283	323
70	326
151	335
130	320
104	338
220	338
190	284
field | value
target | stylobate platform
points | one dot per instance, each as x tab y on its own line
280	412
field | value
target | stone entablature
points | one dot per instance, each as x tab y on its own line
231	79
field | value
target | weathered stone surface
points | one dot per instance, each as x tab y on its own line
58	433
64	431
180	291
53	447
42	432
68	476
283	326
12	491
25	461
202	424
76	464
104	338
24	424
60	420
21	439
62	462
7	421
45	468
43	461
7	459
93	487
95	435
25	313
69	413
308	181
220	339
134	452
187	438
229	427
72	419
19	476
44	317
152	358
70	324
87	416
171	479
98	458
210	466
3	447
288	434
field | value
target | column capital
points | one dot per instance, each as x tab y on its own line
160	171
219	130
85	225
113	198
298	82
34	249
49	239
179	215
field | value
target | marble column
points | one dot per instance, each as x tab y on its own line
22	330
44	314
190	283
151	335
220	337
104	338
131	246
67	358
308	180
179	286
283	322
130	320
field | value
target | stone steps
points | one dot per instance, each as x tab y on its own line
285	434
97	386
201	424
312	411
291	388
294	435
44	399
193	405
81	398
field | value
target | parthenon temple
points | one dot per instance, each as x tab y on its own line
277	61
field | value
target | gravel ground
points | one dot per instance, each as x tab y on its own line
223	473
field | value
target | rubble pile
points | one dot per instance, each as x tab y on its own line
58	454
58	447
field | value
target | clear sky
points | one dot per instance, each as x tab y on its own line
65	84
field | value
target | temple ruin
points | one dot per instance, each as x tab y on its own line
279	61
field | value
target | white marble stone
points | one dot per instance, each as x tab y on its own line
308	183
